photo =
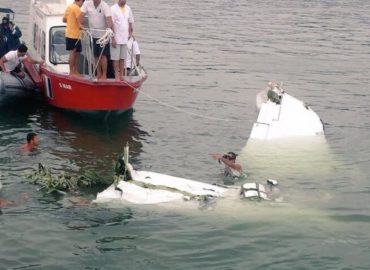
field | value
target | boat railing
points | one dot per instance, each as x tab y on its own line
87	62
87	42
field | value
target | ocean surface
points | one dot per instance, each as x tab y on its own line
206	62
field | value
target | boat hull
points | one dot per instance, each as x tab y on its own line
11	86
83	94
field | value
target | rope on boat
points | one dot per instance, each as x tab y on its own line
179	109
86	35
104	40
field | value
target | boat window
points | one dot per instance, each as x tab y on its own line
35	36
39	40
43	45
58	52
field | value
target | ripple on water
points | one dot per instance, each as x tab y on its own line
207	59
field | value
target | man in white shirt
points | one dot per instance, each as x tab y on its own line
100	18
133	55
11	61
122	26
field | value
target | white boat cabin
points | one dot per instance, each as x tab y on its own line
47	39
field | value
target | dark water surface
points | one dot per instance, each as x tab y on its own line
206	61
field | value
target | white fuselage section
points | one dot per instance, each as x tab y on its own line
288	118
153	188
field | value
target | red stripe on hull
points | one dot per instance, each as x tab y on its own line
79	93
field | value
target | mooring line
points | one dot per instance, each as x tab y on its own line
187	112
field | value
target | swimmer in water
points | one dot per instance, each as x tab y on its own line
32	143
232	168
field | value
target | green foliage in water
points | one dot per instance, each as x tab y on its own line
62	182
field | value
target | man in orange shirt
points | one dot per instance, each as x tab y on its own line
73	32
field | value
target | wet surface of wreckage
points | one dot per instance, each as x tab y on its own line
280	116
145	187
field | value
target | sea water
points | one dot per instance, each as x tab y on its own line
206	62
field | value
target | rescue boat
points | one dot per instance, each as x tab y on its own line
79	93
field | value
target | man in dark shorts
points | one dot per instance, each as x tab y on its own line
73	32
100	18
99	50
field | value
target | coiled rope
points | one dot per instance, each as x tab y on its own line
104	40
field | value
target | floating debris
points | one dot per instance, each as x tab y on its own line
62	182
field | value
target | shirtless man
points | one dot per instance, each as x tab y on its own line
32	143
232	168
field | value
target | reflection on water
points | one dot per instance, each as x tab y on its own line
95	135
292	157
69	142
70	135
304	167
318	48
83	142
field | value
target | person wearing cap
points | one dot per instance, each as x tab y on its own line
232	168
11	33
11	61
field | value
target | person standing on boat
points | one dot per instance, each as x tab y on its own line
10	34
11	61
100	17
122	26
133	55
232	169
72	34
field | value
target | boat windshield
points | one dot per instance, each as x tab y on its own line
58	52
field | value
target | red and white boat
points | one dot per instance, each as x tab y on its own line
61	90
